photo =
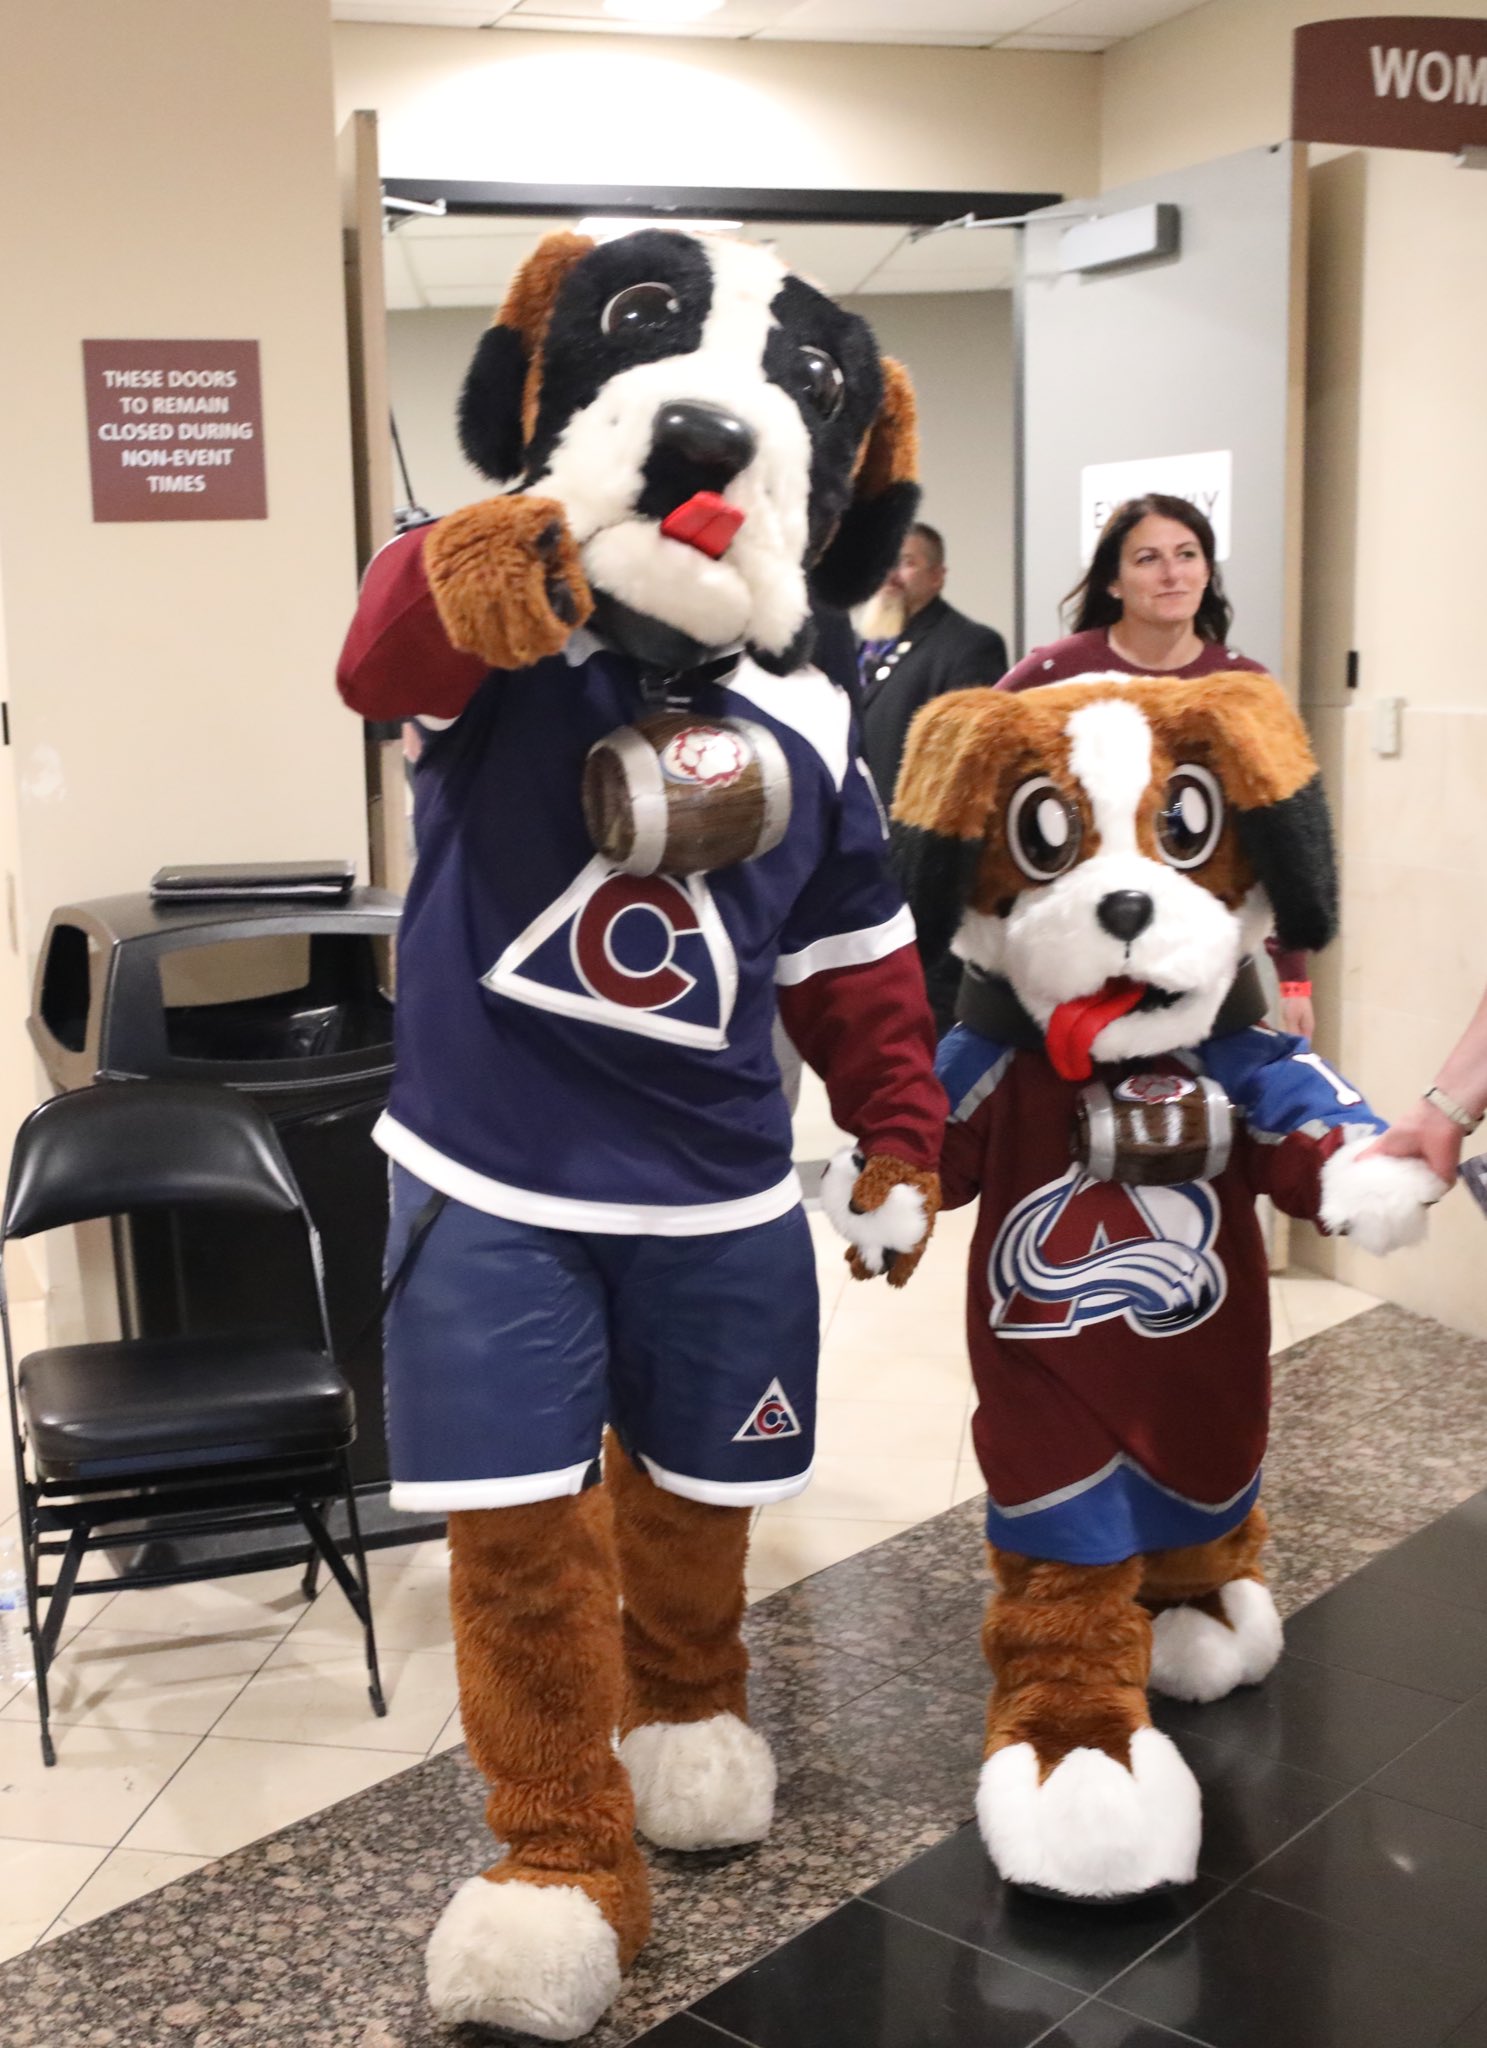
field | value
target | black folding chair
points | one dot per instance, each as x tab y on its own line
190	1436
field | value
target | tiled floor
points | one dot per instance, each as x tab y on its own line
193	1721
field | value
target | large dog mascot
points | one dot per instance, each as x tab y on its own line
1106	855
641	825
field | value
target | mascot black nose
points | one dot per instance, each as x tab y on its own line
1125	913
706	437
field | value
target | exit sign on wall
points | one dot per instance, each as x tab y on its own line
1406	81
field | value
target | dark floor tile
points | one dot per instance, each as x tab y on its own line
907	1742
684	2031
1384	1868
1472	2033
1251	1804
1447	1772
865	1979
1448	1560
1253	1973
1340	1724
955	1890
1396	1633
867	1609
961	1667
791	1689
1097	2025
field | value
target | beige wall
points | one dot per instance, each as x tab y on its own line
1213	81
958	348
1396	448
170	172
428	353
581	109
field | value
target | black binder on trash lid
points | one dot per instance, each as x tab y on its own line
321	881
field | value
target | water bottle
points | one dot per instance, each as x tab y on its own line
16	1664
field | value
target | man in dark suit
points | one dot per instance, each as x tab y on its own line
936	649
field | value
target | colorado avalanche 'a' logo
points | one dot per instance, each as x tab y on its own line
1080	1251
642	953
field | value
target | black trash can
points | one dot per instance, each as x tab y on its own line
290	1002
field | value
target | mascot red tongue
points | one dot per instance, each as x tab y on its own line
1074	1026
705	522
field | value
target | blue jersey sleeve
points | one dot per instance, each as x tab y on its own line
850	910
1296	1111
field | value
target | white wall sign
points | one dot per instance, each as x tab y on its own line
1206	481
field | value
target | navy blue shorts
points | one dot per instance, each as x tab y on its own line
508	1347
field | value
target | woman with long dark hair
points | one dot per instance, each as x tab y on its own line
1152	603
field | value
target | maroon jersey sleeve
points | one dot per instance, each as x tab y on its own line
397	662
867	1031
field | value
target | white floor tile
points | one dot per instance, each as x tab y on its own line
873	1490
1280	1321
896	1323
259	1605
968	1481
787	1548
450	1736
36	1881
410	1611
907	1377
123	1876
313	1692
1314	1303
111	1679
885	1429
102	1781
231	1793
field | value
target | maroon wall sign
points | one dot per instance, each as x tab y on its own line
175	429
1405	81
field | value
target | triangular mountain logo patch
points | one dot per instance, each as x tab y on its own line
772	1418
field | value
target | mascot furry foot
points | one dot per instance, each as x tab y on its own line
1214	1624
1106	855
1079	1794
528	1958
702	1777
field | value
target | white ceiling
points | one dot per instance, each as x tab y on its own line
466	259
1074	25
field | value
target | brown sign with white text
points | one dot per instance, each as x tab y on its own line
175	429
1406	81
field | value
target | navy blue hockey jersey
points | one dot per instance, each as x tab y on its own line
588	1049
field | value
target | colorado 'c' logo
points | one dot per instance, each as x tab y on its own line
642	953
619	960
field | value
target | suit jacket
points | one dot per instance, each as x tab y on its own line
939	649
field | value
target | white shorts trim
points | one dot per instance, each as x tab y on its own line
725	1493
561	1212
846	949
448	1496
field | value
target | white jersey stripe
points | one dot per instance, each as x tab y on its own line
846	949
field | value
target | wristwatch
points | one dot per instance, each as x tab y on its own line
1448	1108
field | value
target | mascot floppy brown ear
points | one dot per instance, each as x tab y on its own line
498	404
969	749
884	500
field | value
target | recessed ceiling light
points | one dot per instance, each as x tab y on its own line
606	227
661	10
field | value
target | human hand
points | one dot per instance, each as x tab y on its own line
1425	1133
1297	1016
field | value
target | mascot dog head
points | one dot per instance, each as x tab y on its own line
718	433
1114	849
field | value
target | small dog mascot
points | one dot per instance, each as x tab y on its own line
641	826
1106	855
